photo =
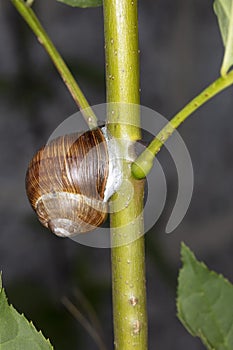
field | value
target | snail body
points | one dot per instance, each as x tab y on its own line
70	180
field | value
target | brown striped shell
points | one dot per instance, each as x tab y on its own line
66	182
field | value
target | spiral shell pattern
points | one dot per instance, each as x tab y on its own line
66	182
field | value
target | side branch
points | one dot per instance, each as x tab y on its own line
30	17
143	164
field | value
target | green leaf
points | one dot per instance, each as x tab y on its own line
224	12
16	333
205	303
82	3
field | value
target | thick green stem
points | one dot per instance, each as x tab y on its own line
128	261
30	17
143	164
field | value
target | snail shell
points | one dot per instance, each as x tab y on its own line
70	180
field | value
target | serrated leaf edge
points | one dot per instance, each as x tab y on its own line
30	323
180	314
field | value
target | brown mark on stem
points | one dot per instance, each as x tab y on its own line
133	300
136	327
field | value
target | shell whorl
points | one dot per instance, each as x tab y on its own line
66	182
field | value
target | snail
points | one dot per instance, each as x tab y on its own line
70	180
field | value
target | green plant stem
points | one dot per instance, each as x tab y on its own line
128	261
143	164
30	17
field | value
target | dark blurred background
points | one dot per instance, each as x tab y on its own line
181	52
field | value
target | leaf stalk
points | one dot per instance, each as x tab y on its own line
143	164
31	19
